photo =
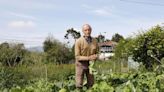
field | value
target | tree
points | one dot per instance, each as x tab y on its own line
146	48
73	33
117	37
149	47
12	54
56	51
4	45
49	43
100	38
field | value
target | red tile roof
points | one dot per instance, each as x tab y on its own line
108	43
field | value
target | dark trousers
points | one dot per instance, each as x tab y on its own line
80	72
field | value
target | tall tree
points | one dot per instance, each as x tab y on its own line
11	54
117	37
100	38
49	43
56	52
73	33
149	47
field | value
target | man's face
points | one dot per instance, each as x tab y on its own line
87	30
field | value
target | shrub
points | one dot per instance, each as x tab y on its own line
149	47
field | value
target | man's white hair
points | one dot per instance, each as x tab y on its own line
87	25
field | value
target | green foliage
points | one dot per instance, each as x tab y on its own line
113	82
38	86
117	37
124	47
32	58
102	87
92	69
10	79
100	38
60	72
56	52
122	53
21	76
12	54
146	47
60	78
73	33
149	47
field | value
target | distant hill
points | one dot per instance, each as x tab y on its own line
36	49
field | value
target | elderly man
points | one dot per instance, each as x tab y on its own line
85	51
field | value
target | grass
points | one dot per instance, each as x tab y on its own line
38	71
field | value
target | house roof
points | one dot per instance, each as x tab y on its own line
108	43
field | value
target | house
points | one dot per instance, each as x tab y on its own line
106	49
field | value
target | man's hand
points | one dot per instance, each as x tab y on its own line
93	57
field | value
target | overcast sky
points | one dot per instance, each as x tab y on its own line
30	21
